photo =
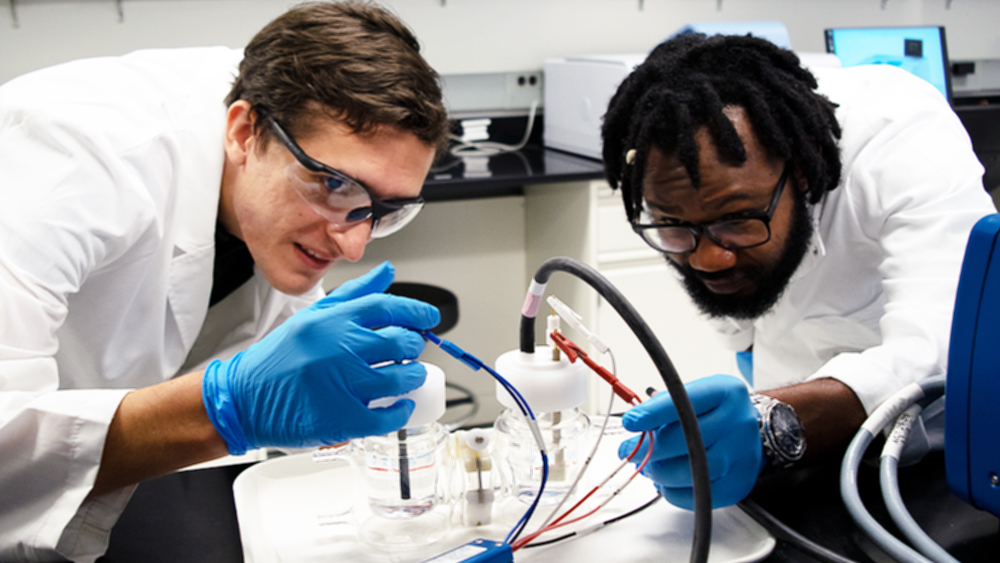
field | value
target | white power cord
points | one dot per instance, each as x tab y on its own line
490	148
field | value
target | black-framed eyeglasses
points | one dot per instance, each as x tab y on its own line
735	233
339	198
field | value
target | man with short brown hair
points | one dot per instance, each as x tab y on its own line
162	242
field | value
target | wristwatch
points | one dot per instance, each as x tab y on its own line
780	431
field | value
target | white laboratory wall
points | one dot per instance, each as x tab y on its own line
463	36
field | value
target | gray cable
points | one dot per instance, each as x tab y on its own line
885	413
889	481
902	518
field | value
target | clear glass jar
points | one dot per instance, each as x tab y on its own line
565	436
405	478
404	471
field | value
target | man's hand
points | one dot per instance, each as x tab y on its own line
728	422
309	382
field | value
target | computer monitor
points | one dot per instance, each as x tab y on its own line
922	50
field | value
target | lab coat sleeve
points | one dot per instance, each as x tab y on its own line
915	186
49	464
62	218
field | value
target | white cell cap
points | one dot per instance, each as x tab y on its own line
546	385
429	398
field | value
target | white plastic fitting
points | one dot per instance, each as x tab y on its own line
429	398
547	386
477	439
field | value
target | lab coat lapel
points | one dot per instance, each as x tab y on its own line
189	290
193	260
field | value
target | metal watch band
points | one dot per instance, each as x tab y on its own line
783	440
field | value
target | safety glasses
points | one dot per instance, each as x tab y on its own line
340	199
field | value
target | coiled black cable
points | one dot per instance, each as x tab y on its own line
784	533
702	539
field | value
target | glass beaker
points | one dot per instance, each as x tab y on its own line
554	388
403	471
564	433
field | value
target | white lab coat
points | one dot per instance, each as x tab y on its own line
110	170
871	303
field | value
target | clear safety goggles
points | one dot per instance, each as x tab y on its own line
340	199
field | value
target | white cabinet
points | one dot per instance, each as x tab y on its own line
587	221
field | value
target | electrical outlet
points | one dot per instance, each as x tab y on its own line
492	93
523	88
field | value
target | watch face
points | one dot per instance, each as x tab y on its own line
787	432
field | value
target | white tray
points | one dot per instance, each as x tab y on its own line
292	509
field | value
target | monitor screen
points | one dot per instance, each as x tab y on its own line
921	50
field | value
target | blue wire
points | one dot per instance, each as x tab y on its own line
523	522
526	410
515	394
475	364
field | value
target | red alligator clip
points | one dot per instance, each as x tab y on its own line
573	352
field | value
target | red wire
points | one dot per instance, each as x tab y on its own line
573	352
558	523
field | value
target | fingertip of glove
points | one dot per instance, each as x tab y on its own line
626	447
632	421
396	415
407	405
382	275
433	317
415	379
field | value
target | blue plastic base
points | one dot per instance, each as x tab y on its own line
477	551
972	399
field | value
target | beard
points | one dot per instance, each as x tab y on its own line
770	284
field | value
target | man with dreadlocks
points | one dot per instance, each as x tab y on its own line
819	220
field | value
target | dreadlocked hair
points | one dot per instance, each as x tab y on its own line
685	84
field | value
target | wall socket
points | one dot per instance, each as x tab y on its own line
523	88
494	94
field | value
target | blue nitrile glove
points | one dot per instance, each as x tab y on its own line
308	382
728	422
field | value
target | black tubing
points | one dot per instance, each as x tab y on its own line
783	532
685	412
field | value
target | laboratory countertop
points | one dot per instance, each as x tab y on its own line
191	516
467	177
506	174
